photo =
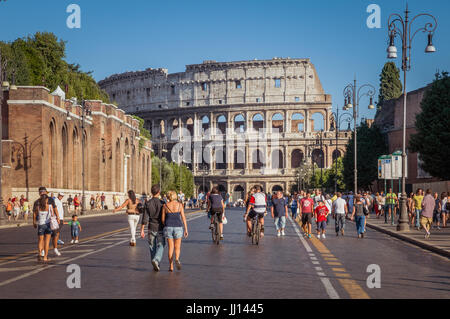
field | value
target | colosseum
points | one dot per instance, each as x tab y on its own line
236	124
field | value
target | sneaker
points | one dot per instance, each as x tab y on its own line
211	227
155	265
337	234
72	241
278	234
60	242
309	235
57	253
362	235
221	237
42	253
438	228
323	236
76	241
342	231
178	264
283	233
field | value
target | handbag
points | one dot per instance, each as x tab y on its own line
54	225
224	220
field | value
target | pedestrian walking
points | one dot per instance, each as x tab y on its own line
133	214
410	207
294	206
57	232
321	213
26	209
75	229
16	208
92	202
43	210
103	201
97	202
152	216
340	212
76	203
391	202
69	202
437	211
359	215
279	210
306	211
426	215
445	208
350	201
417	206
9	208
174	220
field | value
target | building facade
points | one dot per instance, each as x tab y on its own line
390	120
42	141
236	124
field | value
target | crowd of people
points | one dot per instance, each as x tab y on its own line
165	214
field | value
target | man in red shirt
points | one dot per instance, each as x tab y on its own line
306	210
321	213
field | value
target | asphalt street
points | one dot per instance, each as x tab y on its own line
280	267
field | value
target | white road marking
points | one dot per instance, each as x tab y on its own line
318	268
307	247
325	281
49	266
329	287
313	258
321	274
79	251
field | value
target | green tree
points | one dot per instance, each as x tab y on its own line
371	145
390	84
432	140
331	176
40	60
144	133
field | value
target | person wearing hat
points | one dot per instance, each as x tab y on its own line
57	234
43	208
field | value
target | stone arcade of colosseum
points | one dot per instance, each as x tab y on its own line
224	104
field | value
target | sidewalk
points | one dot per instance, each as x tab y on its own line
439	241
4	223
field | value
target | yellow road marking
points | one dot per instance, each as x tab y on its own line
354	290
351	286
339	274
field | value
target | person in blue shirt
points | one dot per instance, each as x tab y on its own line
294	206
350	201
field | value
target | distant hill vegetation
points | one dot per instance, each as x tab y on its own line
40	60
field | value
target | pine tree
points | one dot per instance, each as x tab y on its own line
432	140
390	85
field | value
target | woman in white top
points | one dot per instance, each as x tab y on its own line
444	211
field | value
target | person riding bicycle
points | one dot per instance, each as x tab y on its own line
257	207
216	206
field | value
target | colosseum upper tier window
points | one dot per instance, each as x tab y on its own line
277	83
238	85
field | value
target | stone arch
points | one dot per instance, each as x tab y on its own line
258	121
277	159
118	160
238	192
220	158
239	123
318	157
205	123
296	158
65	156
76	155
52	152
190	126
221	121
278	123
317	121
239	159
336	154
258	159
297	122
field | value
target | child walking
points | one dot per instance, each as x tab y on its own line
321	213
75	228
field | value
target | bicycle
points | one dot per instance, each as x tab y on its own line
215	231
256	230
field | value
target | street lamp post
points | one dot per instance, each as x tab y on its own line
162	149
353	94
336	125
399	26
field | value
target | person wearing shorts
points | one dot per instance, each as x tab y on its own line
306	211
216	206
321	213
174	221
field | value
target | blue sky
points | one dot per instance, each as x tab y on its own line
119	36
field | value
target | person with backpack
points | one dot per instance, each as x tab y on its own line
359	215
152	216
215	205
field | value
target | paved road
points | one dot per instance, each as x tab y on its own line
286	267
